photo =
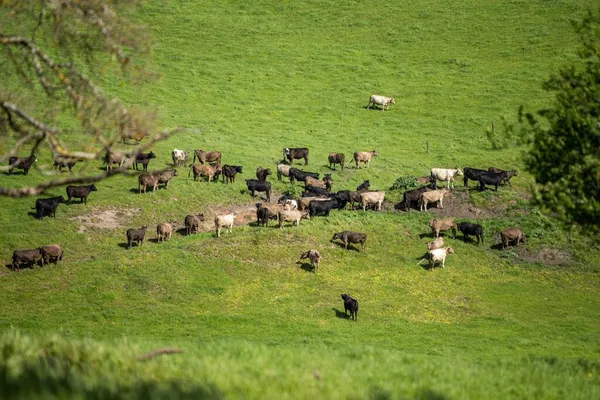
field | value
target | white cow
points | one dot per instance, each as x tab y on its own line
383	101
439	256
444	174
372	198
179	157
224	221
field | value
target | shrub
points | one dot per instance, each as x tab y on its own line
405	183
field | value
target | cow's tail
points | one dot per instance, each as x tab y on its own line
194	159
190	170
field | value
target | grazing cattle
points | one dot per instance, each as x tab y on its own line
431	197
48	206
264	214
179	157
296	174
382	101
336	158
210	171
283	170
442	225
472	174
292	216
144	159
114	157
363	186
164	232
51	252
326	183
207	156
229	172
145	180
438	243
355	197
262	173
512	235
489	178
444	174
314	256
509	174
364	157
350	237
255	185
192	223
64	162
292	154
290	204
80	192
136	236
323	207
30	257
224	221
439	256
372	198
23	163
412	196
471	229
351	305
165	177
304	202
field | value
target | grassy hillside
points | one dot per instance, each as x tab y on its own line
253	321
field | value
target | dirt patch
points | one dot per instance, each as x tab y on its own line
458	204
105	219
546	256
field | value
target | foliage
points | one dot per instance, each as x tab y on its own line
564	140
54	50
406	182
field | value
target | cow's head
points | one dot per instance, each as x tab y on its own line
393	100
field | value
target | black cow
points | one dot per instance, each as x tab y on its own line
490	178
317	191
263	215
471	229
61	163
80	192
351	305
48	206
23	163
26	257
363	186
143	159
412	196
350	237
509	174
296	154
323	207
255	185
136	235
336	158
229	172
472	174
262	173
296	174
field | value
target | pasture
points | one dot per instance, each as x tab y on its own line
252	320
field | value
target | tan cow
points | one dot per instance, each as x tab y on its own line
439	256
114	157
382	101
314	256
303	202
323	184
164	231
364	157
442	225
372	198
283	170
431	197
512	235
145	180
207	156
436	244
292	216
209	171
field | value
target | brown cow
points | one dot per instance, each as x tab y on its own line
431	197
512	235
442	225
114	157
145	180
336	158
209	171
164	231
192	223
26	257
51	252
207	156
364	157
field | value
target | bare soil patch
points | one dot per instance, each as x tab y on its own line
546	256
106	218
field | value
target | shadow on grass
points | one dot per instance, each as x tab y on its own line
341	314
33	214
497	246
350	246
306	266
125	245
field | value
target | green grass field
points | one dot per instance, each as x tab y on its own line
251	79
